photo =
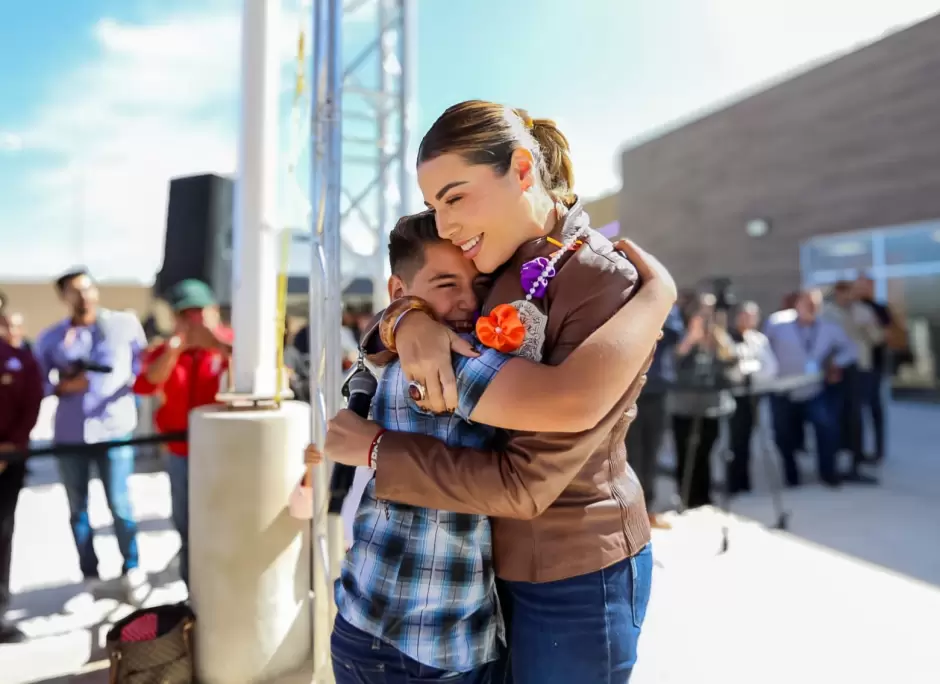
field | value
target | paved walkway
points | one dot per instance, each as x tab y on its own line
850	594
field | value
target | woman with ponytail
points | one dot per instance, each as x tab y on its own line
570	528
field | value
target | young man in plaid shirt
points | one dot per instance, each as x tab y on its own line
416	598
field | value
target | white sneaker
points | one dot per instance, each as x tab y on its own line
136	586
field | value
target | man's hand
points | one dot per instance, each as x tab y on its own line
6	448
76	385
349	439
199	336
696	330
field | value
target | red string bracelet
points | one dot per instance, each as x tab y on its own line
372	447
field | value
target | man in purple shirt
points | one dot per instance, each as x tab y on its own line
95	354
20	397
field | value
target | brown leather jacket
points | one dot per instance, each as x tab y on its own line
562	504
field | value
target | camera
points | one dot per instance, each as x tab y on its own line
725	298
80	366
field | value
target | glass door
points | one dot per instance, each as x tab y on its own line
915	303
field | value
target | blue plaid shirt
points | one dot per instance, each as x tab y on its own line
420	579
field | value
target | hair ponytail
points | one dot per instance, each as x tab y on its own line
557	168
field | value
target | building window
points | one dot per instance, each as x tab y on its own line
913	246
839	253
904	262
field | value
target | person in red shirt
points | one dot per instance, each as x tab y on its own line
21	393
184	373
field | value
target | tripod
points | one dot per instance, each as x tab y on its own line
723	444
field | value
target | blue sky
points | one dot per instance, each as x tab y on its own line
104	100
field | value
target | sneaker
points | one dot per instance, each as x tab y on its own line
91	587
136	586
10	634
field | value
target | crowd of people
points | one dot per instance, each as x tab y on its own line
829	350
503	535
96	363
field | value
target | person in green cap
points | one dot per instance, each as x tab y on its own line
185	373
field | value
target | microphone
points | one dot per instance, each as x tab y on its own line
358	390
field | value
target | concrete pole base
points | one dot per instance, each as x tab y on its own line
249	559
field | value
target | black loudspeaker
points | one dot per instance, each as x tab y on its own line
199	235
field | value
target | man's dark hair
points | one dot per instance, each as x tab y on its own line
4	302
68	276
407	241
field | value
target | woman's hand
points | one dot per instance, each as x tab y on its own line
650	269
424	349
349	439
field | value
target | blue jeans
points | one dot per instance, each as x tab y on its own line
177	469
360	658
870	385
789	417
581	630
114	467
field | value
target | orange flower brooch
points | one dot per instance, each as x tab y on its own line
519	328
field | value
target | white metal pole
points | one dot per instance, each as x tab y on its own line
319	605
408	50
332	245
325	309
254	296
379	258
246	558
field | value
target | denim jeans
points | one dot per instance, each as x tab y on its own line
846	401
177	469
871	385
360	658
788	419
114	467
581	630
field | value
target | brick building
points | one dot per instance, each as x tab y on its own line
830	173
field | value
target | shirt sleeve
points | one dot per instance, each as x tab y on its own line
44	361
527	476
844	351
768	361
142	384
138	344
30	402
473	377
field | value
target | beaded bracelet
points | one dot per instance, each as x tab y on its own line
394	314
374	448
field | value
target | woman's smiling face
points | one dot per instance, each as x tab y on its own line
477	209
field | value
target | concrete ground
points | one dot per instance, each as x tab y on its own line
851	593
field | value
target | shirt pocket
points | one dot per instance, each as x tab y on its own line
376	521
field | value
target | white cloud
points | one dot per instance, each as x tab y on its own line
10	142
158	100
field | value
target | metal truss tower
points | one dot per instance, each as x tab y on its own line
360	180
378	116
